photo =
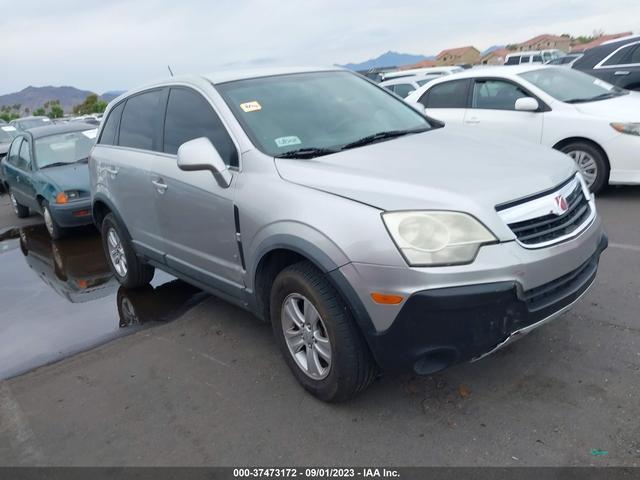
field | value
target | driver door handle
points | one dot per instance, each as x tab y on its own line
160	187
112	171
472	120
621	72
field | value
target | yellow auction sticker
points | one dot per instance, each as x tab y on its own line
250	106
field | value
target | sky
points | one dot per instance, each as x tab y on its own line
116	44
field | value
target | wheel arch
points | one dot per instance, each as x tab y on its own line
569	140
100	208
280	253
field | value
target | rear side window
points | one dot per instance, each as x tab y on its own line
190	116
140	118
446	95
512	60
108	136
537	58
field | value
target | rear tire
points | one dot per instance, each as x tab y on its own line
591	162
323	336
20	210
127	267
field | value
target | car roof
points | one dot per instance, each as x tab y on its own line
29	118
58	128
412	79
488	71
223	76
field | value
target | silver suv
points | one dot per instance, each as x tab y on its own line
368	235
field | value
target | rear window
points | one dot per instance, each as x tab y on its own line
515	60
446	95
140	120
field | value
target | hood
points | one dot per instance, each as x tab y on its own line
438	169
68	177
625	108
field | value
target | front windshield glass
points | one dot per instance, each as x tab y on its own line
571	86
64	148
323	110
7	133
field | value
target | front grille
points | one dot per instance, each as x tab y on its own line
548	225
568	285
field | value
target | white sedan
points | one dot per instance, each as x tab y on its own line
595	123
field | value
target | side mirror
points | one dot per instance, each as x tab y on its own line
527	104
200	154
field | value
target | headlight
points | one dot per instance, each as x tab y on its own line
69	195
437	238
628	128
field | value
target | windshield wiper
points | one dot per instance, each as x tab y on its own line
309	152
602	96
56	164
376	137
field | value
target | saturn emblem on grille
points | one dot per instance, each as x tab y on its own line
561	204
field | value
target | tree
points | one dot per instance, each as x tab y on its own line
55	111
90	105
38	112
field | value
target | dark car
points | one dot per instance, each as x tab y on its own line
616	62
7	133
46	172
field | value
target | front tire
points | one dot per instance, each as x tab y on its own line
55	231
127	267
20	210
591	162
318	336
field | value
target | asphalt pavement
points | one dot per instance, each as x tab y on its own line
206	384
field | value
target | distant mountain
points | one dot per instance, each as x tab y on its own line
491	49
389	59
35	97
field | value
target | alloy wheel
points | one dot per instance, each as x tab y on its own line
48	221
586	164
306	336
14	202
116	253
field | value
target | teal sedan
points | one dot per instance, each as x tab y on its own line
46	172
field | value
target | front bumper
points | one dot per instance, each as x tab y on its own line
72	214
441	326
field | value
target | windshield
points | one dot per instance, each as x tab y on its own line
571	86
7	133
323	111
64	148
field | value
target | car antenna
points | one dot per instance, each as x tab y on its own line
170	71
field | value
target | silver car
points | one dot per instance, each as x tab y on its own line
371	238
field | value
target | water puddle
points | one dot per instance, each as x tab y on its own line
58	298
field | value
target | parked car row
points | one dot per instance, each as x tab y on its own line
370	234
595	123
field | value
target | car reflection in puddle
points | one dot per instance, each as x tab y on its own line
58	298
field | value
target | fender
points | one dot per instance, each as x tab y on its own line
329	266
